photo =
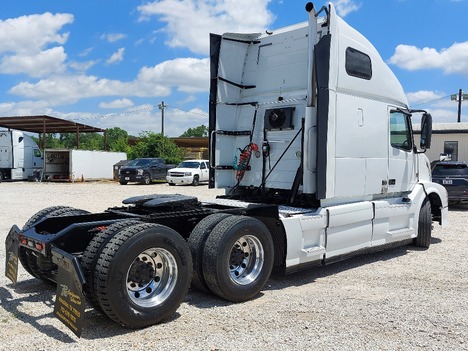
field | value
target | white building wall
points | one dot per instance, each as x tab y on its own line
438	142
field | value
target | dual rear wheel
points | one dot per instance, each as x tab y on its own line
233	256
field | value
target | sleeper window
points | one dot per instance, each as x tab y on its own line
358	64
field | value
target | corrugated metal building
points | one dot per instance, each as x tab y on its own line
448	140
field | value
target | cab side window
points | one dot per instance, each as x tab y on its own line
358	64
400	131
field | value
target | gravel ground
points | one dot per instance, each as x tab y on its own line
402	299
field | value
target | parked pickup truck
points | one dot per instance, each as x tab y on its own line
144	170
189	172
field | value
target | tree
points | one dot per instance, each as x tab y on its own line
151	144
200	131
51	142
117	140
88	141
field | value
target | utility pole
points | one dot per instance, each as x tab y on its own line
162	106
459	97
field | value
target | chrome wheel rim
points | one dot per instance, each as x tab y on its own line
246	260
151	277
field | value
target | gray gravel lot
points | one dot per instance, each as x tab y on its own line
403	299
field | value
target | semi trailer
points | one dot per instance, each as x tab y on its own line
310	136
79	165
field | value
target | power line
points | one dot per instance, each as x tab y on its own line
147	108
191	112
431	101
117	114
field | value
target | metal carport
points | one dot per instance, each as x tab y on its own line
47	124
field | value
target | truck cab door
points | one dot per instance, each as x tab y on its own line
401	156
37	159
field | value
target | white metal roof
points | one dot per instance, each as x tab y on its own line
446	128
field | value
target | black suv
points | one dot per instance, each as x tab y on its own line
143	170
453	175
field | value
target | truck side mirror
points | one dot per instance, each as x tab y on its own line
426	131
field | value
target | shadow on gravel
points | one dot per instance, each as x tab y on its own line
310	275
98	325
201	299
458	207
33	292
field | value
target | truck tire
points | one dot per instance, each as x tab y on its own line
147	179
28	258
424	225
91	255
196	243
196	180
143	275
238	258
45	213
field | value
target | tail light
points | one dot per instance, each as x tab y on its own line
23	241
32	244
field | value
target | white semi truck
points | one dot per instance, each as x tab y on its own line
20	157
310	135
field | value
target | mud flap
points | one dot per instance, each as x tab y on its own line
70	302
12	249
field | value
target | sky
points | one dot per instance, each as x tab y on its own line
111	63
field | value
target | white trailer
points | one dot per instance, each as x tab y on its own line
79	165
310	135
20	157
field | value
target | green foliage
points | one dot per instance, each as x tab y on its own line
52	142
151	144
117	140
200	131
88	141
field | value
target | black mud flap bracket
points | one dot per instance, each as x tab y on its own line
70	301
12	250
